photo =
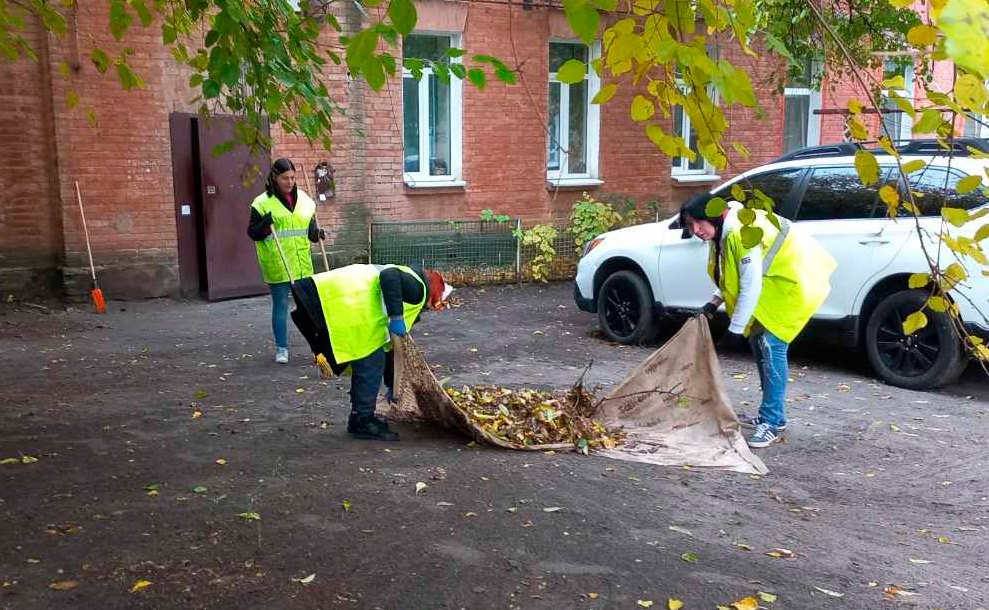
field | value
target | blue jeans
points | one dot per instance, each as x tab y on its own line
770	357
281	293
365	382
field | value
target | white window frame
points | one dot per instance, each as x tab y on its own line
562	175
906	122
682	172
422	177
813	135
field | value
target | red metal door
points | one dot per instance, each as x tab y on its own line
231	262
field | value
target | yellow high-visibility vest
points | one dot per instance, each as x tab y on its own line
293	233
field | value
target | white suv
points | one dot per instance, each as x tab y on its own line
638	277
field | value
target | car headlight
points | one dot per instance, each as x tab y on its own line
594	243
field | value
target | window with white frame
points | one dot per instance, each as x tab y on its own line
976	126
801	126
573	122
433	113
897	123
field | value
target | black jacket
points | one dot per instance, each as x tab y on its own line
258	229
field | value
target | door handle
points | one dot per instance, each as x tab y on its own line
874	242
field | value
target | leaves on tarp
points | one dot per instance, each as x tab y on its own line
536	417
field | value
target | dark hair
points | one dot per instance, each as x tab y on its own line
279	167
696	208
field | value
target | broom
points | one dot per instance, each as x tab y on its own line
95	293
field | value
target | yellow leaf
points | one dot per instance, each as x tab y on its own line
914	322
965	25
642	109
859	132
221	462
921	36
767	597
593	595
605	94
674	604
867	167
855	106
919	280
10	461
27	459
887	145
746	603
968	184
781	553
982	233
970	93
955	216
197	414
644	603
741	149
141	584
250	516
911	166
740	545
889	195
63	585
937	304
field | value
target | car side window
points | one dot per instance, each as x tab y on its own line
777	185
930	186
836	193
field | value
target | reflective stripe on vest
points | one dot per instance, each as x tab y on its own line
354	309
290	233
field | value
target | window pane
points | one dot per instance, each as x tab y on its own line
410	103
837	193
796	116
553	145
439	127
698	162
421	46
971	128
577	153
677	131
560	52
893	121
680	122
931	184
775	185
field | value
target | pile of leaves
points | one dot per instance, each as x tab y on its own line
535	417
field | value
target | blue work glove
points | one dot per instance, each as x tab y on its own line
397	327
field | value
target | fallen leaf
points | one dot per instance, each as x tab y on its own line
529	523
152	490
746	603
674	604
755	477
221	462
919	561
593	595
444	504
645	603
682	530
346	505
299	390
766	597
141	584
250	516
740	376
33	560
470	514
27	459
741	545
831	593
894	427
513	509
200	489
689	556
197	414
308	579
5	461
552	509
199	394
420	487
841	387
945	540
63	585
781	553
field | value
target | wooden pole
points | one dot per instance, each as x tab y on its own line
322	245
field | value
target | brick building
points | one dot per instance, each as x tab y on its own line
417	150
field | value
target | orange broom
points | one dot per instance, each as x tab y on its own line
96	293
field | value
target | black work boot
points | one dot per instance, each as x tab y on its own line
369	427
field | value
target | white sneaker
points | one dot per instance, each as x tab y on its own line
281	355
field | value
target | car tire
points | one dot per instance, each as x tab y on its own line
625	308
930	357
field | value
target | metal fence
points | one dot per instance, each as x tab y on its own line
468	252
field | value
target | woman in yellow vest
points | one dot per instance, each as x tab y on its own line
770	292
346	315
292	213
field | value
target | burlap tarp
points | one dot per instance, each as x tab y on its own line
672	407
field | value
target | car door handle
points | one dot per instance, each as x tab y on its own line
874	242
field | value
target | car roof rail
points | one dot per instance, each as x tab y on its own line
927	146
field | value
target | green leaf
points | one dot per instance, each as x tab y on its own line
746	216
91	117
571	72
200	489
605	94
374	73
738	193
64	70
751	236
458	70
955	216
914	322
743	151
120	20
454	52
142	12
642	109
249	516
583	18
970	92
361	48
929	121
689	556
867	167
606	5
968	184
71	99
681	15
403	14
230	74
476	76
211	89
100	59
128	79
715	207
895	83
505	75
919	280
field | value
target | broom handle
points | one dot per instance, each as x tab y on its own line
281	253
85	230
322	246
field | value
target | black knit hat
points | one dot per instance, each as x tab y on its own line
696	208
